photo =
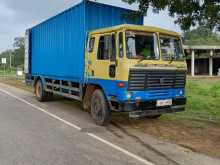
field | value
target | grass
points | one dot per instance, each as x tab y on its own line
9	77
203	98
7	72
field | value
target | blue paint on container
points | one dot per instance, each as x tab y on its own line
58	44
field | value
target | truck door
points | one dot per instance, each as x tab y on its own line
102	60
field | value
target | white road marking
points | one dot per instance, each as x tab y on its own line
138	158
144	161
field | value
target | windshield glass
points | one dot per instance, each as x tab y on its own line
171	48
142	45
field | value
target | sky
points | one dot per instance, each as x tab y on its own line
17	16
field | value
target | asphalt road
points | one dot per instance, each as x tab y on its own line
29	136
59	133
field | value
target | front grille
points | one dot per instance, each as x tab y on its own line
141	79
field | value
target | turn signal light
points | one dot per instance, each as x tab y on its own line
121	84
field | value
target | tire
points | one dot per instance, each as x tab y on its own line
40	93
99	108
154	116
85	105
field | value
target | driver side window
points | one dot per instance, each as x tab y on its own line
106	47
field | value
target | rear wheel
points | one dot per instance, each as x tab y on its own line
99	108
40	93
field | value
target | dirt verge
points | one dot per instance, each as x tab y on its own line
198	136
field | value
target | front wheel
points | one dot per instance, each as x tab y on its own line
99	108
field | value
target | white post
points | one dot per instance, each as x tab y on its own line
211	63
10	60
193	63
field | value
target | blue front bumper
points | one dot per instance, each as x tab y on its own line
132	96
143	103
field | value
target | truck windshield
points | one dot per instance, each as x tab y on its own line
171	48
142	45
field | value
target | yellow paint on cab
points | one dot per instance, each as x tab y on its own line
99	69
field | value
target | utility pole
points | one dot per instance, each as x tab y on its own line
10	60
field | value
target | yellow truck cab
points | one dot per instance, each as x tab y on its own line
140	69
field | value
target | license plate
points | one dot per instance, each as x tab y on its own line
163	103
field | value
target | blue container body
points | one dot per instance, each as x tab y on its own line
58	45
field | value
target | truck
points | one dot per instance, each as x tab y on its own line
96	54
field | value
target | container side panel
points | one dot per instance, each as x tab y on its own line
58	45
100	16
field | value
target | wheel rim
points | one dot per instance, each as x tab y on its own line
97	110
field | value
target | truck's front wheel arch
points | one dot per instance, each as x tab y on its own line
87	95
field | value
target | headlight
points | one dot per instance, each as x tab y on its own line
128	95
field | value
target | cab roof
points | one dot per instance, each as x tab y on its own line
136	28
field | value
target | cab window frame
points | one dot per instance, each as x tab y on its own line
145	33
164	35
110	40
121	42
91	44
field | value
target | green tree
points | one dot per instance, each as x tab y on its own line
201	36
18	53
6	54
19	42
188	13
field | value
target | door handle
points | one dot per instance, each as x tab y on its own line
112	71
116	62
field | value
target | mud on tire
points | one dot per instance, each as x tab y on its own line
40	93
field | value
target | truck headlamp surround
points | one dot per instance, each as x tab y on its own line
128	95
